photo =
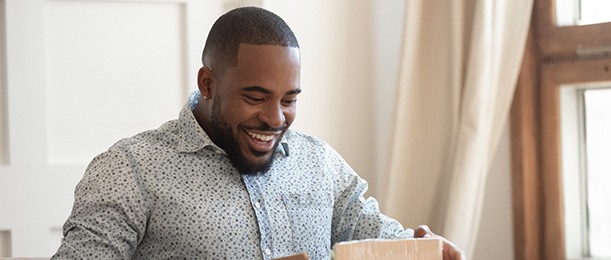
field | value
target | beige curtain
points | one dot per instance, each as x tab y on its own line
459	67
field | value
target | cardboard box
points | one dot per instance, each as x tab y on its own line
403	249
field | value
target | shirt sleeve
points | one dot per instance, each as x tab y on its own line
108	218
356	217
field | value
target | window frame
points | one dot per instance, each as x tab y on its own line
564	43
553	57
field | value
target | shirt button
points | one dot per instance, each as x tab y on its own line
257	205
268	252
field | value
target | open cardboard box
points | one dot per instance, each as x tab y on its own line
404	249
302	256
382	249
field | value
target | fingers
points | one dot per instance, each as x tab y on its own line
423	231
450	250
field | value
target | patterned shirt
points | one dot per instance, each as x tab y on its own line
172	193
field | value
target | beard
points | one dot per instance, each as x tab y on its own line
227	140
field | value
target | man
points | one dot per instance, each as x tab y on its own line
228	179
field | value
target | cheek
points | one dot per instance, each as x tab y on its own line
290	115
238	114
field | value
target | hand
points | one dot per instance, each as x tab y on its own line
450	251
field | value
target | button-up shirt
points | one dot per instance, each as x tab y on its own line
172	193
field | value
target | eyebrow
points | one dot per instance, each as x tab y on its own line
267	91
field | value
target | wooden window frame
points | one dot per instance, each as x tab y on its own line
552	59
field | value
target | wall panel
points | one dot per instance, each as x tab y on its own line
55	238
75	77
102	57
4	157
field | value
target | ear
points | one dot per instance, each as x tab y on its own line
204	82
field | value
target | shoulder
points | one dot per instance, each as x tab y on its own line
164	136
141	145
312	147
302	141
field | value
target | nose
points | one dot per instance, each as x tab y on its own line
272	115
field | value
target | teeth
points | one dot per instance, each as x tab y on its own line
261	137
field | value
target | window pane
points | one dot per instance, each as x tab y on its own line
582	12
566	12
573	171
595	11
598	149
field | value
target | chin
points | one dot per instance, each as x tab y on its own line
255	166
252	162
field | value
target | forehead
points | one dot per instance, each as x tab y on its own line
267	55
266	66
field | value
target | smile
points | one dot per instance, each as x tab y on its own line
261	137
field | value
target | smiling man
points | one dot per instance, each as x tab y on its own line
228	179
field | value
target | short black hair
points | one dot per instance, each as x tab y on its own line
244	25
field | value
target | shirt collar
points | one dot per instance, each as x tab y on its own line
193	138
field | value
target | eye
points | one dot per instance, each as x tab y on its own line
253	99
288	102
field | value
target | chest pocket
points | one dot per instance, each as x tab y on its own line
310	216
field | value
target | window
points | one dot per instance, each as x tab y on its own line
586	144
563	57
597	106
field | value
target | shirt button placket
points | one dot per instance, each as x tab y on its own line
267	251
255	195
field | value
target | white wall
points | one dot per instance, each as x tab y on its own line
79	75
495	237
337	102
350	53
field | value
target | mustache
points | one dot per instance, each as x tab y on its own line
267	128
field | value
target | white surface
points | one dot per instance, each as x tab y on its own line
495	239
3	99
571	171
598	127
99	68
109	73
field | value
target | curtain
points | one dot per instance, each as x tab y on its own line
459	67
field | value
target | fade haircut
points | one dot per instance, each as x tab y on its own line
244	25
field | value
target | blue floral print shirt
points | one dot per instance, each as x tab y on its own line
172	193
